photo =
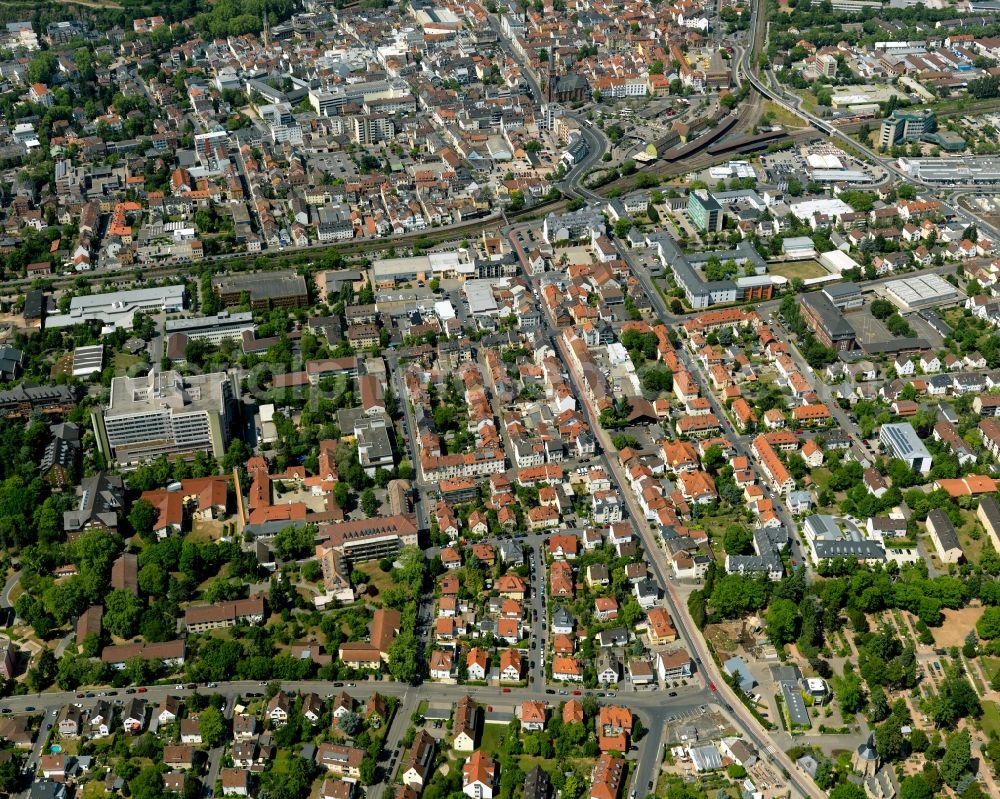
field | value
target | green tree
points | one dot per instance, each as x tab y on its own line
735	596
622	227
889	739
42	67
737	540
956	700
147	784
713	459
122	610
403	657
143	516
957	756
10	775
915	787
43	673
847	790
369	504
782	622
850	695
213	726
153	580
988	625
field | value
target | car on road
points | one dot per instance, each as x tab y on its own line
672	693
79	696
6	710
577	693
711	687
90	695
564	693
179	687
550	690
29	708
505	690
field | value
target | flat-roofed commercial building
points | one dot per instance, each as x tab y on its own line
901	440
165	413
118	308
213	329
961	170
264	289
921	291
455	265
844	296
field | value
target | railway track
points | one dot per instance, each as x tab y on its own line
354	247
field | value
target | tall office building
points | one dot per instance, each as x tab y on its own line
705	211
905	126
165	413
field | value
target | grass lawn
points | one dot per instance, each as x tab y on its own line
492	735
206	530
990	721
990	665
64	366
802	269
782	117
716	526
376	577
582	765
281	761
124	361
971	536
94	789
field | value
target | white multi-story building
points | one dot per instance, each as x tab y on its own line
165	413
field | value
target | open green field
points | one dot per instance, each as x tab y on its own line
492	735
797	269
376	577
782	116
971	536
123	362
991	718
